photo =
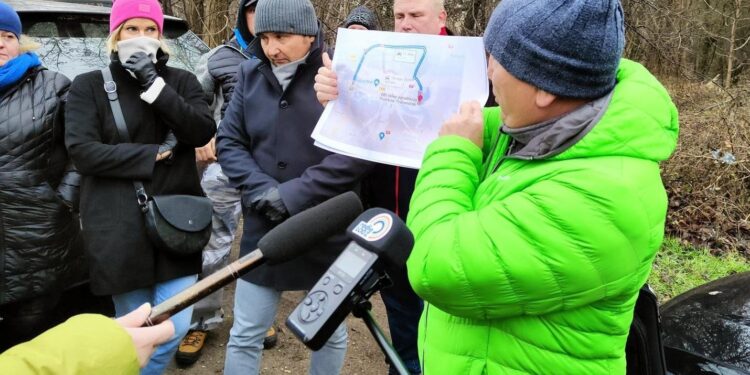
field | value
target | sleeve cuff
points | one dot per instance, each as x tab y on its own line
149	96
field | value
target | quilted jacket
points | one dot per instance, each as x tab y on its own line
37	228
534	266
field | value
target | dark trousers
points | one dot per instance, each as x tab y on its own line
403	308
24	320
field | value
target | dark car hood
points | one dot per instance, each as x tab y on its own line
712	321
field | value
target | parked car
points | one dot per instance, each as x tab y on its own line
73	35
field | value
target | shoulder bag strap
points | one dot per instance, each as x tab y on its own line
110	87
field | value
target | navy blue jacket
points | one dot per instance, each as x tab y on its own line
264	141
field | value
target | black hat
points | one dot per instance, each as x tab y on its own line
362	16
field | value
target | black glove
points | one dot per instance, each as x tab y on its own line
270	205
143	68
168	145
169	142
68	189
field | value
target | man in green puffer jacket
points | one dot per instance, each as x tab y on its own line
536	227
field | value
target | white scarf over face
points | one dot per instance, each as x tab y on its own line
147	45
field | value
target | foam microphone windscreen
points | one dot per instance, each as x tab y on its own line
310	227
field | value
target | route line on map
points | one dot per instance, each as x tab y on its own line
419	64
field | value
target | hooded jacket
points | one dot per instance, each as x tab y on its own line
534	265
218	68
37	228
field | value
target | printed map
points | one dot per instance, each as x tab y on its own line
395	92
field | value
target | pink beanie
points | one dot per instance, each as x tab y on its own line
123	10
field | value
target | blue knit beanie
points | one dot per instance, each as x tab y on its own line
569	48
9	20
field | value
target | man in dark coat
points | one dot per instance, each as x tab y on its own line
266	151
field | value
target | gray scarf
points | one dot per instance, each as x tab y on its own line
552	137
284	73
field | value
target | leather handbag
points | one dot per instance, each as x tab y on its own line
178	224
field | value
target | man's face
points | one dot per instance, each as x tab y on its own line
9	46
250	18
515	97
282	48
356	27
418	16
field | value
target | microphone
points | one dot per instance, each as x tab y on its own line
282	243
380	241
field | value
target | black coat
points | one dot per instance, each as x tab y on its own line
264	141
121	257
37	228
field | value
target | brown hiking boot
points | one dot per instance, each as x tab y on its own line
271	338
190	348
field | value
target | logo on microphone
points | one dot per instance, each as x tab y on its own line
375	229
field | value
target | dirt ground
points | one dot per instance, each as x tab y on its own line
290	356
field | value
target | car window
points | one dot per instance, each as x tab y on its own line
75	44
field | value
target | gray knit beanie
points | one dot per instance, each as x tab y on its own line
569	48
361	15
286	16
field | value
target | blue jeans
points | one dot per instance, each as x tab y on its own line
254	310
127	302
404	308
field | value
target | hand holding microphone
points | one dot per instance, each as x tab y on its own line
285	242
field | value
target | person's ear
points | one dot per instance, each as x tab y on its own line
443	17
544	99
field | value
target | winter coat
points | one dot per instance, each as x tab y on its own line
101	347
37	228
220	66
121	257
534	266
264	141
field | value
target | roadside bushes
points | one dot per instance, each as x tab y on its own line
708	177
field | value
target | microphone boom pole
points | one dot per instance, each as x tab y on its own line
204	287
282	243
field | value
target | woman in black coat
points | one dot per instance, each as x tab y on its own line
37	226
156	100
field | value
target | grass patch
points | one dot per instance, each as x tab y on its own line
678	268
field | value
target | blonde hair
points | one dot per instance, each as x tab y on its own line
27	44
114	37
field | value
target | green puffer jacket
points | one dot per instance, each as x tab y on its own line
535	267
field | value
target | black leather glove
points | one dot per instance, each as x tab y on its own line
168	145
68	189
270	205
143	68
